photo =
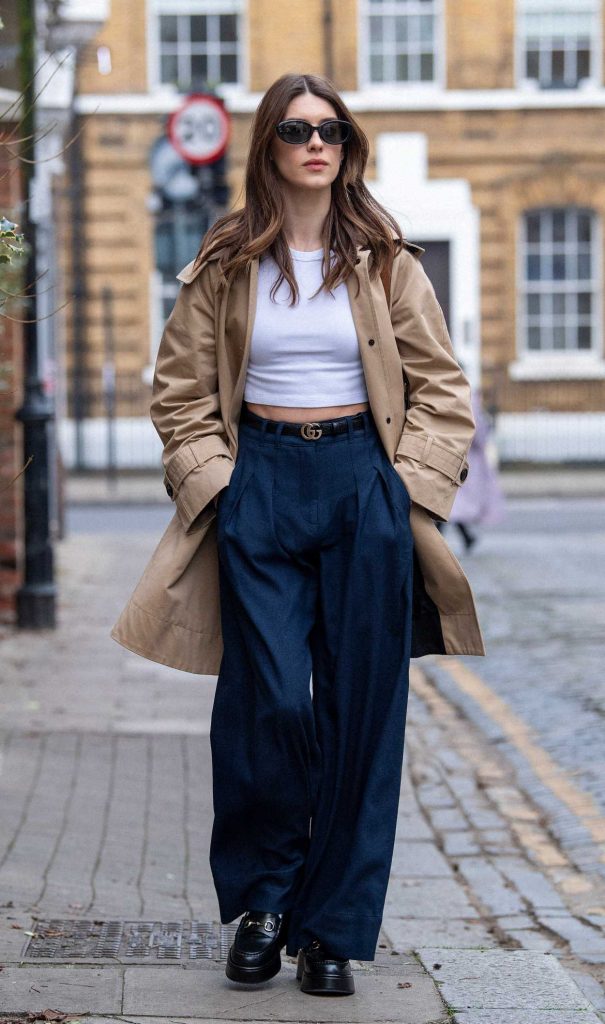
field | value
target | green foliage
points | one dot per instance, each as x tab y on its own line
11	241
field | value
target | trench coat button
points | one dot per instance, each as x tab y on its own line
370	341
388	419
169	490
463	473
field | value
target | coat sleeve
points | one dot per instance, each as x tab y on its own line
439	423
185	406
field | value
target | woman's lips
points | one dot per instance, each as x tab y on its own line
315	165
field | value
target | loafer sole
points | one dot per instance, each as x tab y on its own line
253	975
314	984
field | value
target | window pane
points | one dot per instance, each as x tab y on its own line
228	67
533	268
558	337
426	28
558	66
583	64
169	68
532	64
584	303
532	222
376	68
558	302
199	66
401	30
558	267
533	338
558	226
402	67
584	336
583	227
228	28
583	265
376	28
168	29
533	305
198	28
426	67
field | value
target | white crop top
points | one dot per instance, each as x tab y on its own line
307	354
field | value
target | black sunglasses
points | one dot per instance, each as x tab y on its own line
295	131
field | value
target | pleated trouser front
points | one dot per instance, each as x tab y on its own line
307	728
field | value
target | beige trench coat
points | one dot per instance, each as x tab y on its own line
173	615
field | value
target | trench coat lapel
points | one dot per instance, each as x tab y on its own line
380	361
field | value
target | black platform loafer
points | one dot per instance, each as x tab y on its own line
254	955
323	974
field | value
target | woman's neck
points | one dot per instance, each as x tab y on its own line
305	215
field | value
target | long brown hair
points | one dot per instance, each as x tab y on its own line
355	218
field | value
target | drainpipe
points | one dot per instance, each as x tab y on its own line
36	598
328	39
79	381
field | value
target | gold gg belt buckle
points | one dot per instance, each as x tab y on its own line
311	430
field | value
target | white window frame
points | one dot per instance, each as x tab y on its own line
364	82
549	364
155	8
596	54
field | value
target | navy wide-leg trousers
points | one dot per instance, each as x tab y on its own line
307	728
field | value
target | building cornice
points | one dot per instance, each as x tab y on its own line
379	100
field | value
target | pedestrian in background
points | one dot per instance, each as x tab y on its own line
481	501
305	492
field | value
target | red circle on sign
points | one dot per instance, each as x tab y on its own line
200	129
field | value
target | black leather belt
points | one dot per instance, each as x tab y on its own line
310	430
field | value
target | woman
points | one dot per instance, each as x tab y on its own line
279	398
482	502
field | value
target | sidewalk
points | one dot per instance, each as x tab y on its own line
527	482
107	908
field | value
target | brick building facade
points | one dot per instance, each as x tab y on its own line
486	129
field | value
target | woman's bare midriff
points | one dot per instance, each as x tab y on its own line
294	414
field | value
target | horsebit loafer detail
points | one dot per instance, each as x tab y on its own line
323	974
254	955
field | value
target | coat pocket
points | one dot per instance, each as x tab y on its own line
230	498
395	484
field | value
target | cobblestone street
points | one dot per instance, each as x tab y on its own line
496	904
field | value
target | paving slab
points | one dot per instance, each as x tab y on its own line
406	934
493	890
531	883
431	897
380	995
532	939
498	979
72	989
586	942
591	988
460	844
411	826
419	860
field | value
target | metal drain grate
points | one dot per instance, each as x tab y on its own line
129	941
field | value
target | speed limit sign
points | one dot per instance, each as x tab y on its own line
199	130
